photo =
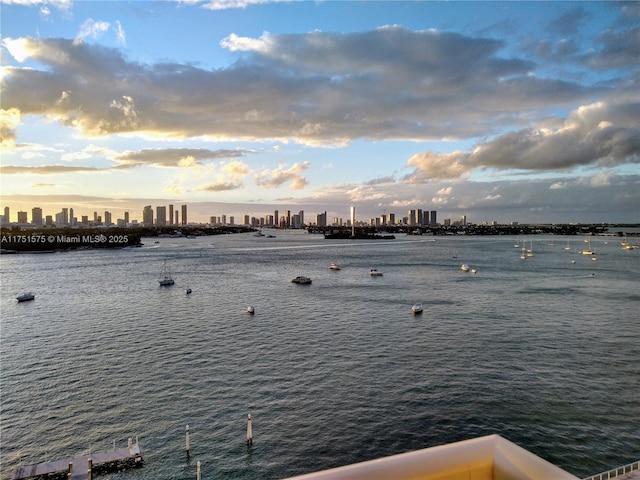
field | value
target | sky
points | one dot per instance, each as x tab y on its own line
501	111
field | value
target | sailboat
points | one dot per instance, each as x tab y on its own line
588	251
568	247
530	251
165	279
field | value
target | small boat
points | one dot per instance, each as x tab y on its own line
165	278
464	267
375	273
416	308
188	291
251	310
25	297
334	266
588	250
302	280
473	270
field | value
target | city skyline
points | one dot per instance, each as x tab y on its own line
157	216
501	111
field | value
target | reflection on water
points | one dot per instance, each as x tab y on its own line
542	351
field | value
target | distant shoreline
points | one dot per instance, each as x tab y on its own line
49	240
23	239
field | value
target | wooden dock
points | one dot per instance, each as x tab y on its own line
84	466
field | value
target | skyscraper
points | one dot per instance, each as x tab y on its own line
147	215
184	214
170	214
161	215
36	216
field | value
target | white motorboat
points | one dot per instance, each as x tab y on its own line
25	297
302	280
334	266
251	310
464	267
416	308
165	279
375	273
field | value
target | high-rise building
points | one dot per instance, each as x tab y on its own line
107	218
7	215
434	220
126	218
184	214
170	214
36	216
64	219
22	217
147	216
321	219
276	219
161	215
301	215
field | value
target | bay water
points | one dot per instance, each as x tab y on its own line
544	352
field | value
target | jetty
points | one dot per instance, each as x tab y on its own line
83	467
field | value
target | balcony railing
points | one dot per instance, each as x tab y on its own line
616	472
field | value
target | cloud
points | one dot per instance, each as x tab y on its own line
281	175
219	187
602	133
121	36
91	28
174	157
60	4
9	121
45	169
314	88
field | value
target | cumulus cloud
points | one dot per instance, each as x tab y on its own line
314	88
281	175
602	133
9	120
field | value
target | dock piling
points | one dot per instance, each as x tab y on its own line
198	473
187	448
249	431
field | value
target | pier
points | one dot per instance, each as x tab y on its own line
83	467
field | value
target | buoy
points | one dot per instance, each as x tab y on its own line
187	440
249	432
